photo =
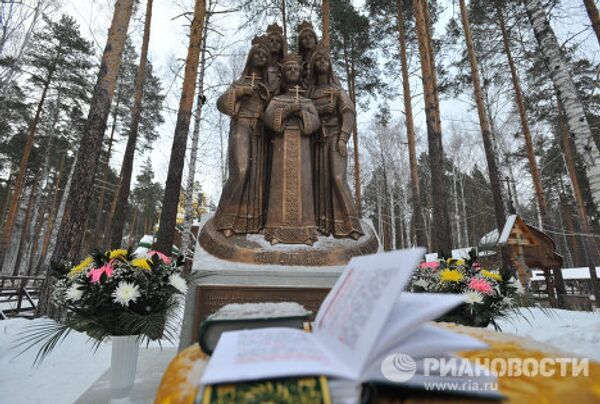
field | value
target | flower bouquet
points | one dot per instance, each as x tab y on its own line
487	296
113	294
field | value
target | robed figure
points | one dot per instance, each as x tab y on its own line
334	206
293	119
242	206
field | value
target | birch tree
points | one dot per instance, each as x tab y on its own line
579	129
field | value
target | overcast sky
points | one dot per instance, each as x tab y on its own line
168	42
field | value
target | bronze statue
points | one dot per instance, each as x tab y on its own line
242	205
307	42
293	118
290	125
276	46
334	207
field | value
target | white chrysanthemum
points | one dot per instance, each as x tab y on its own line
126	292
178	283
74	293
473	297
422	283
516	283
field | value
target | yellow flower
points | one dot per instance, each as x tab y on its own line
451	275
119	254
82	265
141	263
491	275
454	261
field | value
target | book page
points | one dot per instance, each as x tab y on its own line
269	353
356	309
430	341
410	311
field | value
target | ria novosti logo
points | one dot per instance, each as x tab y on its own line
398	367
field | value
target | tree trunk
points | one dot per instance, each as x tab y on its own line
187	236
464	209
73	223
356	156
456	214
568	253
25	229
533	167
44	306
592	10
325	7
6	202
101	219
122	195
589	249
284	22
484	123
168	216
53	208
410	132
441	238
20	181
567	93
16	62
43	173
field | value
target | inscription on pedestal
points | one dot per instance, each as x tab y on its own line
211	298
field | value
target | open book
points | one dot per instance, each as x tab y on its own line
362	327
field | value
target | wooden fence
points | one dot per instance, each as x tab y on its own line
19	295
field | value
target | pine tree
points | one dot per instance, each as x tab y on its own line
147	195
353	49
441	237
168	216
73	222
58	63
592	10
122	194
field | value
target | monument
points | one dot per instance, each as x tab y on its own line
286	223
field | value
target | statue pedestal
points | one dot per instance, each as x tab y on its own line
248	269
254	249
222	282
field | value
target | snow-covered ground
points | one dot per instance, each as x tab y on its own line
576	332
72	367
66	373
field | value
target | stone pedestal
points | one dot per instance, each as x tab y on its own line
266	273
222	282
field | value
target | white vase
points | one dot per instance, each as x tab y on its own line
123	364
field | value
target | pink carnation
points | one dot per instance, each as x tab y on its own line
162	256
429	265
481	286
95	274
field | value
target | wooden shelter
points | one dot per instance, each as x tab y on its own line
529	247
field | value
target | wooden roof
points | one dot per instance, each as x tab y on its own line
536	247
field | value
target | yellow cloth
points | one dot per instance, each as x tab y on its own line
180	382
